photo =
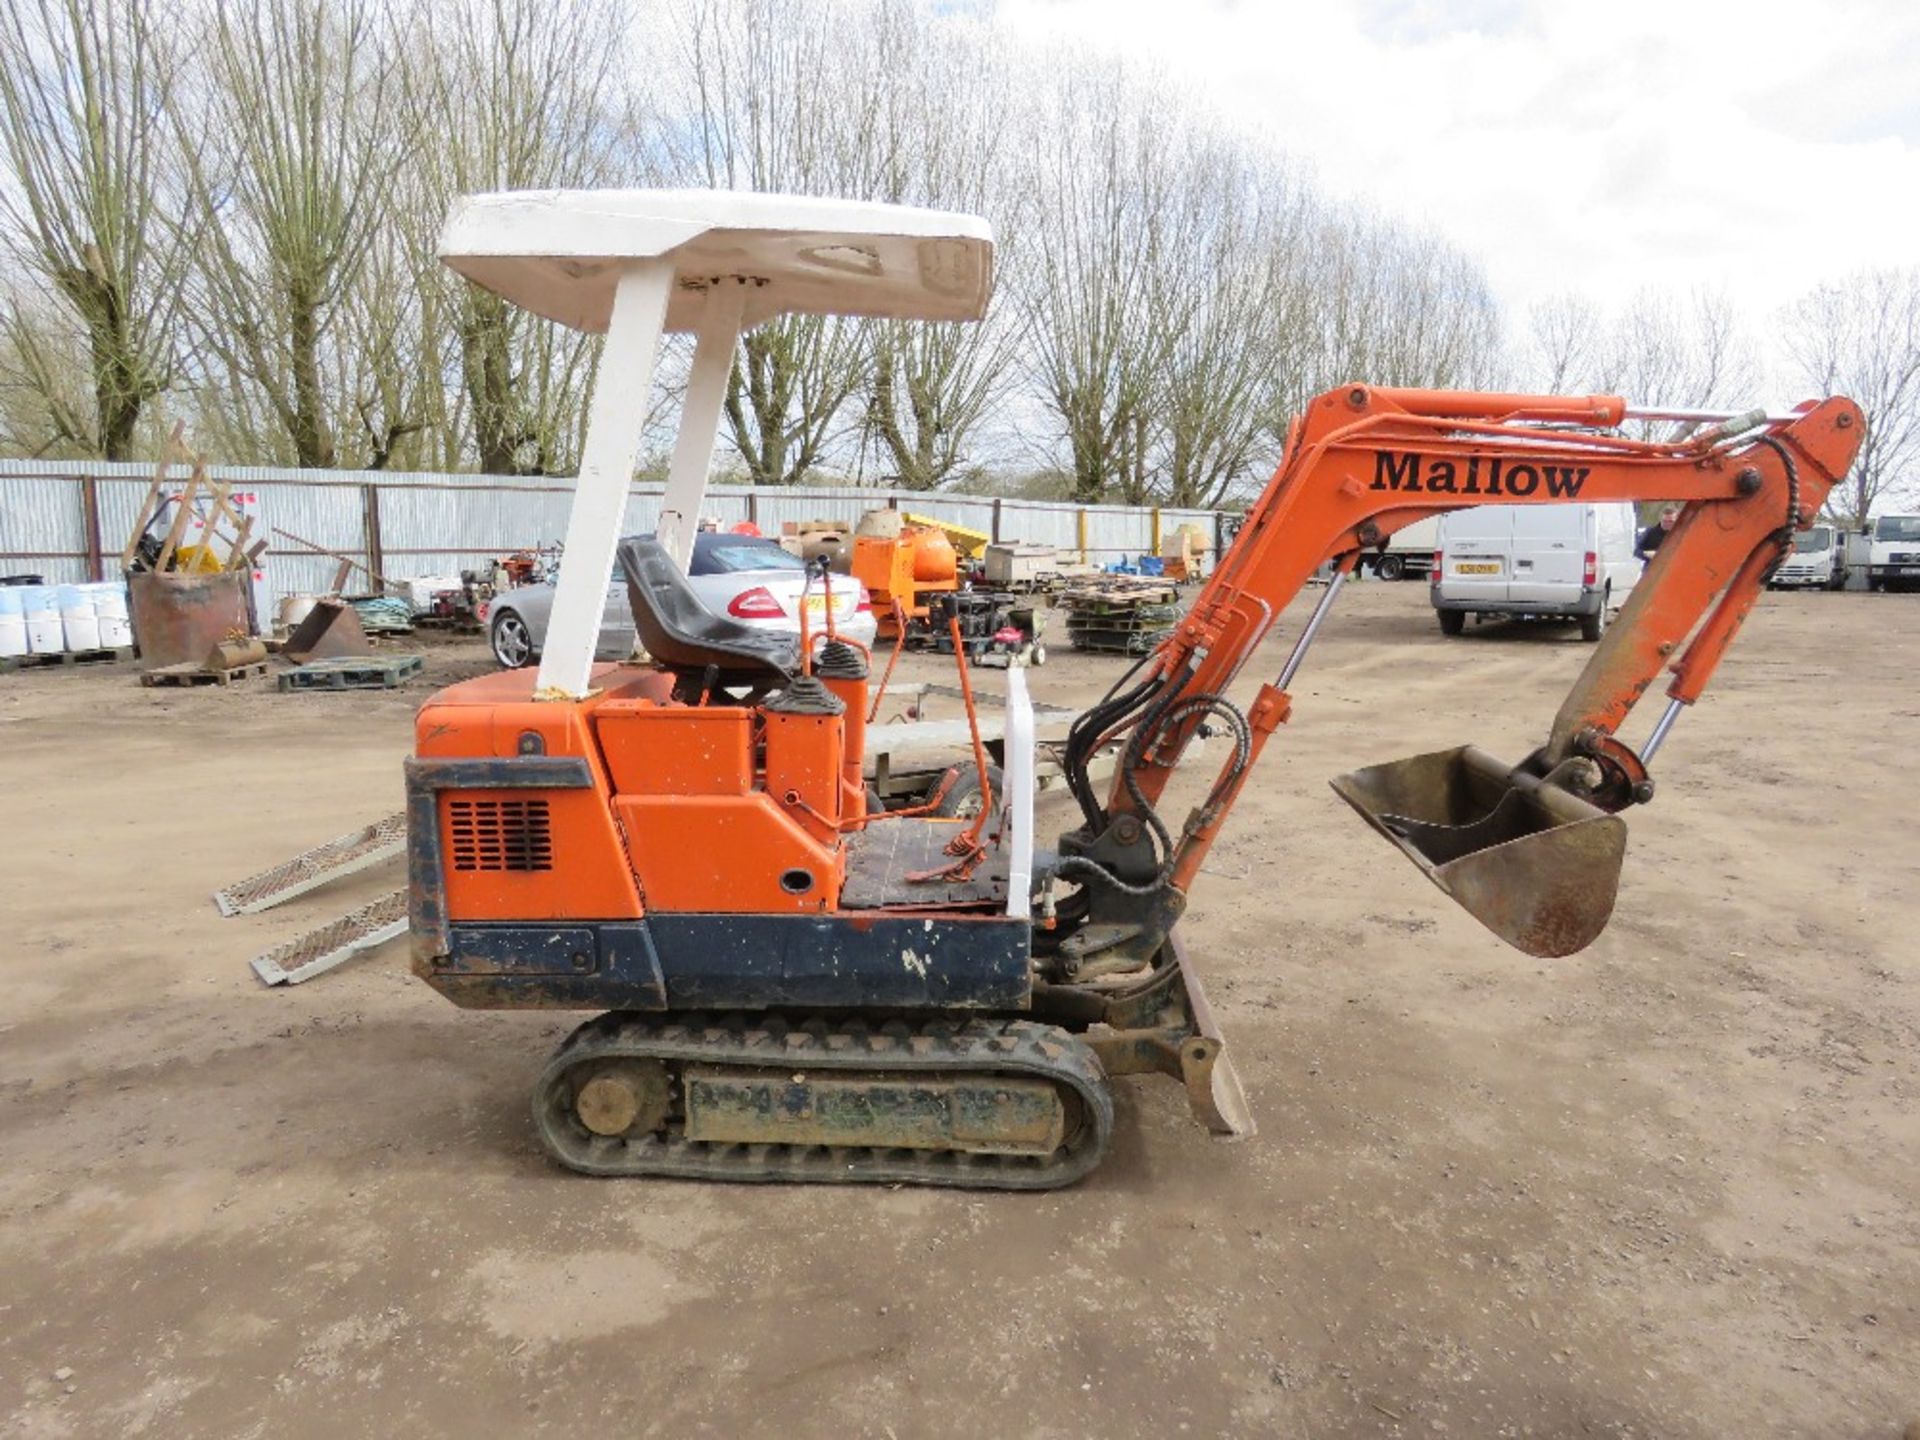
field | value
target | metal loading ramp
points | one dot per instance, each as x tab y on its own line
334	943
309	870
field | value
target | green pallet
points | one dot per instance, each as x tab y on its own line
352	672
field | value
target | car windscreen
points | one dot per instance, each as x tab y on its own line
1897	527
727	557
1811	542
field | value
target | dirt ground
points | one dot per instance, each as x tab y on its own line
1670	1186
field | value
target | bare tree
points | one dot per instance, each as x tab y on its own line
499	95
287	134
782	95
944	117
1688	353
44	398
83	84
789	382
1170	290
1403	307
1684	351
1097	334
386	384
1861	339
1238	221
930	387
1565	335
46	389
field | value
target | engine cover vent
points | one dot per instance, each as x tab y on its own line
500	835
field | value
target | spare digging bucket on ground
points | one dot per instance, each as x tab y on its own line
1530	860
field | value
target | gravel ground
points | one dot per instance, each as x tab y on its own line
1670	1186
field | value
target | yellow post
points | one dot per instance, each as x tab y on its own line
1156	530
1080	517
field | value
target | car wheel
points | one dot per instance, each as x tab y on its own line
1391	567
1452	622
1876	586
512	645
1593	626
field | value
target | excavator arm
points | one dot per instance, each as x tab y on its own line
1534	849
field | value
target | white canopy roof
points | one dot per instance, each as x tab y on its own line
559	253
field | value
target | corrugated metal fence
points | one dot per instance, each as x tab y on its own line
69	520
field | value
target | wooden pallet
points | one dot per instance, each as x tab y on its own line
1052	584
1114	641
67	657
1126	618
1122	590
189	673
352	672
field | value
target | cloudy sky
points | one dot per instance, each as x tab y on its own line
1758	148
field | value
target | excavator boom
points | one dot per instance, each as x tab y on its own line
1533	850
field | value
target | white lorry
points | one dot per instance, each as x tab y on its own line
1409	552
1893	559
1819	559
1535	562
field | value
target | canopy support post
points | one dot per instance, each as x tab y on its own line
692	463
615	417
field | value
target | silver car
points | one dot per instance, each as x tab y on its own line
745	577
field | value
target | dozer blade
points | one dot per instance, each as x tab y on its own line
1213	1086
1162	1025
1531	861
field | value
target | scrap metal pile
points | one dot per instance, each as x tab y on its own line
189	563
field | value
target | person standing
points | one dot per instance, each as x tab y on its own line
1651	537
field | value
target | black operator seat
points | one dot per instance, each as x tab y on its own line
681	633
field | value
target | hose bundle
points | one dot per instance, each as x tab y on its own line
1158	703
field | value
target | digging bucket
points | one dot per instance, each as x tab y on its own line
1530	860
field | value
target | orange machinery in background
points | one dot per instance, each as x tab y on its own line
907	567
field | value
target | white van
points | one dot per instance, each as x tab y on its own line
1535	562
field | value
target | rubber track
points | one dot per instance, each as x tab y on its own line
771	1041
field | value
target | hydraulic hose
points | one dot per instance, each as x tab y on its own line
1170	710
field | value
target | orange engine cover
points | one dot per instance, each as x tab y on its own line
706	830
679	818
727	854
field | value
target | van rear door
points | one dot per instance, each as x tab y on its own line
1618	528
1550	545
1473	553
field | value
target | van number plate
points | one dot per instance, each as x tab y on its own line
1477	567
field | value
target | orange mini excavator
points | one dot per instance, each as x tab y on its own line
794	988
